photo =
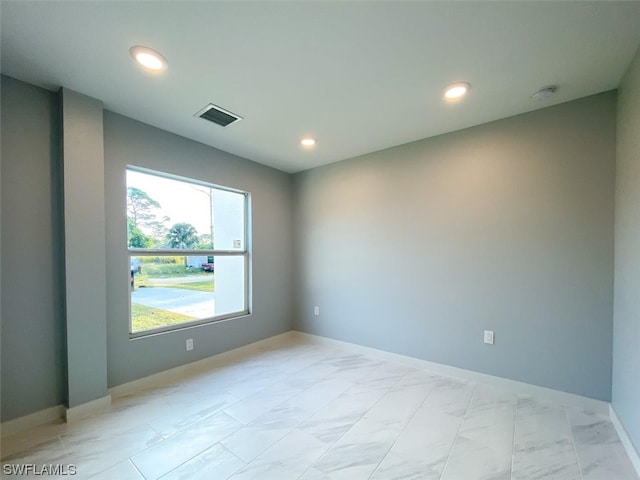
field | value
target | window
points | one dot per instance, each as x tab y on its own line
187	243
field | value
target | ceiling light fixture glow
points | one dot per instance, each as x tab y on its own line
545	93
308	142
148	58
456	91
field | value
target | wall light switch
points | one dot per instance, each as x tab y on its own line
189	344
488	337
316	310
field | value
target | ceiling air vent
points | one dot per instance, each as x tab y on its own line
218	115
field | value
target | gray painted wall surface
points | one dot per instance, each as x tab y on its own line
507	226
417	249
33	363
33	324
84	239
626	341
131	142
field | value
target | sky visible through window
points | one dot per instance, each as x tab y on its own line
167	215
182	202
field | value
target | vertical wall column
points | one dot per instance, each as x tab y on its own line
626	323
85	251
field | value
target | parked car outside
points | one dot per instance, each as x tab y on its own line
136	267
207	267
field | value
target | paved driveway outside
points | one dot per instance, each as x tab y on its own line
193	303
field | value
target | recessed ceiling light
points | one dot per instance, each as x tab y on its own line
456	91
545	93
308	142
148	58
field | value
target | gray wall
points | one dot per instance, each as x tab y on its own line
507	226
33	324
626	341
129	142
84	244
33	350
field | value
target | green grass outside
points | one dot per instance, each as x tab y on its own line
159	270
168	270
145	318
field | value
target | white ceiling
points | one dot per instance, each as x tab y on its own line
358	76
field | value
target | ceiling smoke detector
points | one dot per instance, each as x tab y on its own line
545	93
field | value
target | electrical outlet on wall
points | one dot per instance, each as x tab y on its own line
489	337
316	311
189	344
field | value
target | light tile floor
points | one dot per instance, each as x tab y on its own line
309	412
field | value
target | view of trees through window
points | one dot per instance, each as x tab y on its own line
186	250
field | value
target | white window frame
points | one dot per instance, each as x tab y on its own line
168	252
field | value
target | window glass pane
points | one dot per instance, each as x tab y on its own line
230	284
170	290
228	220
177	214
168	213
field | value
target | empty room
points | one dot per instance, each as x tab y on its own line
320	240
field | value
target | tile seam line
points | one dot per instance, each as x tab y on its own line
513	439
455	440
573	442
183	463
191	457
276	383
352	426
133	465
297	424
401	431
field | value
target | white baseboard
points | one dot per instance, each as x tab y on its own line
217	360
634	456
59	412
549	394
88	408
80	411
32	420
